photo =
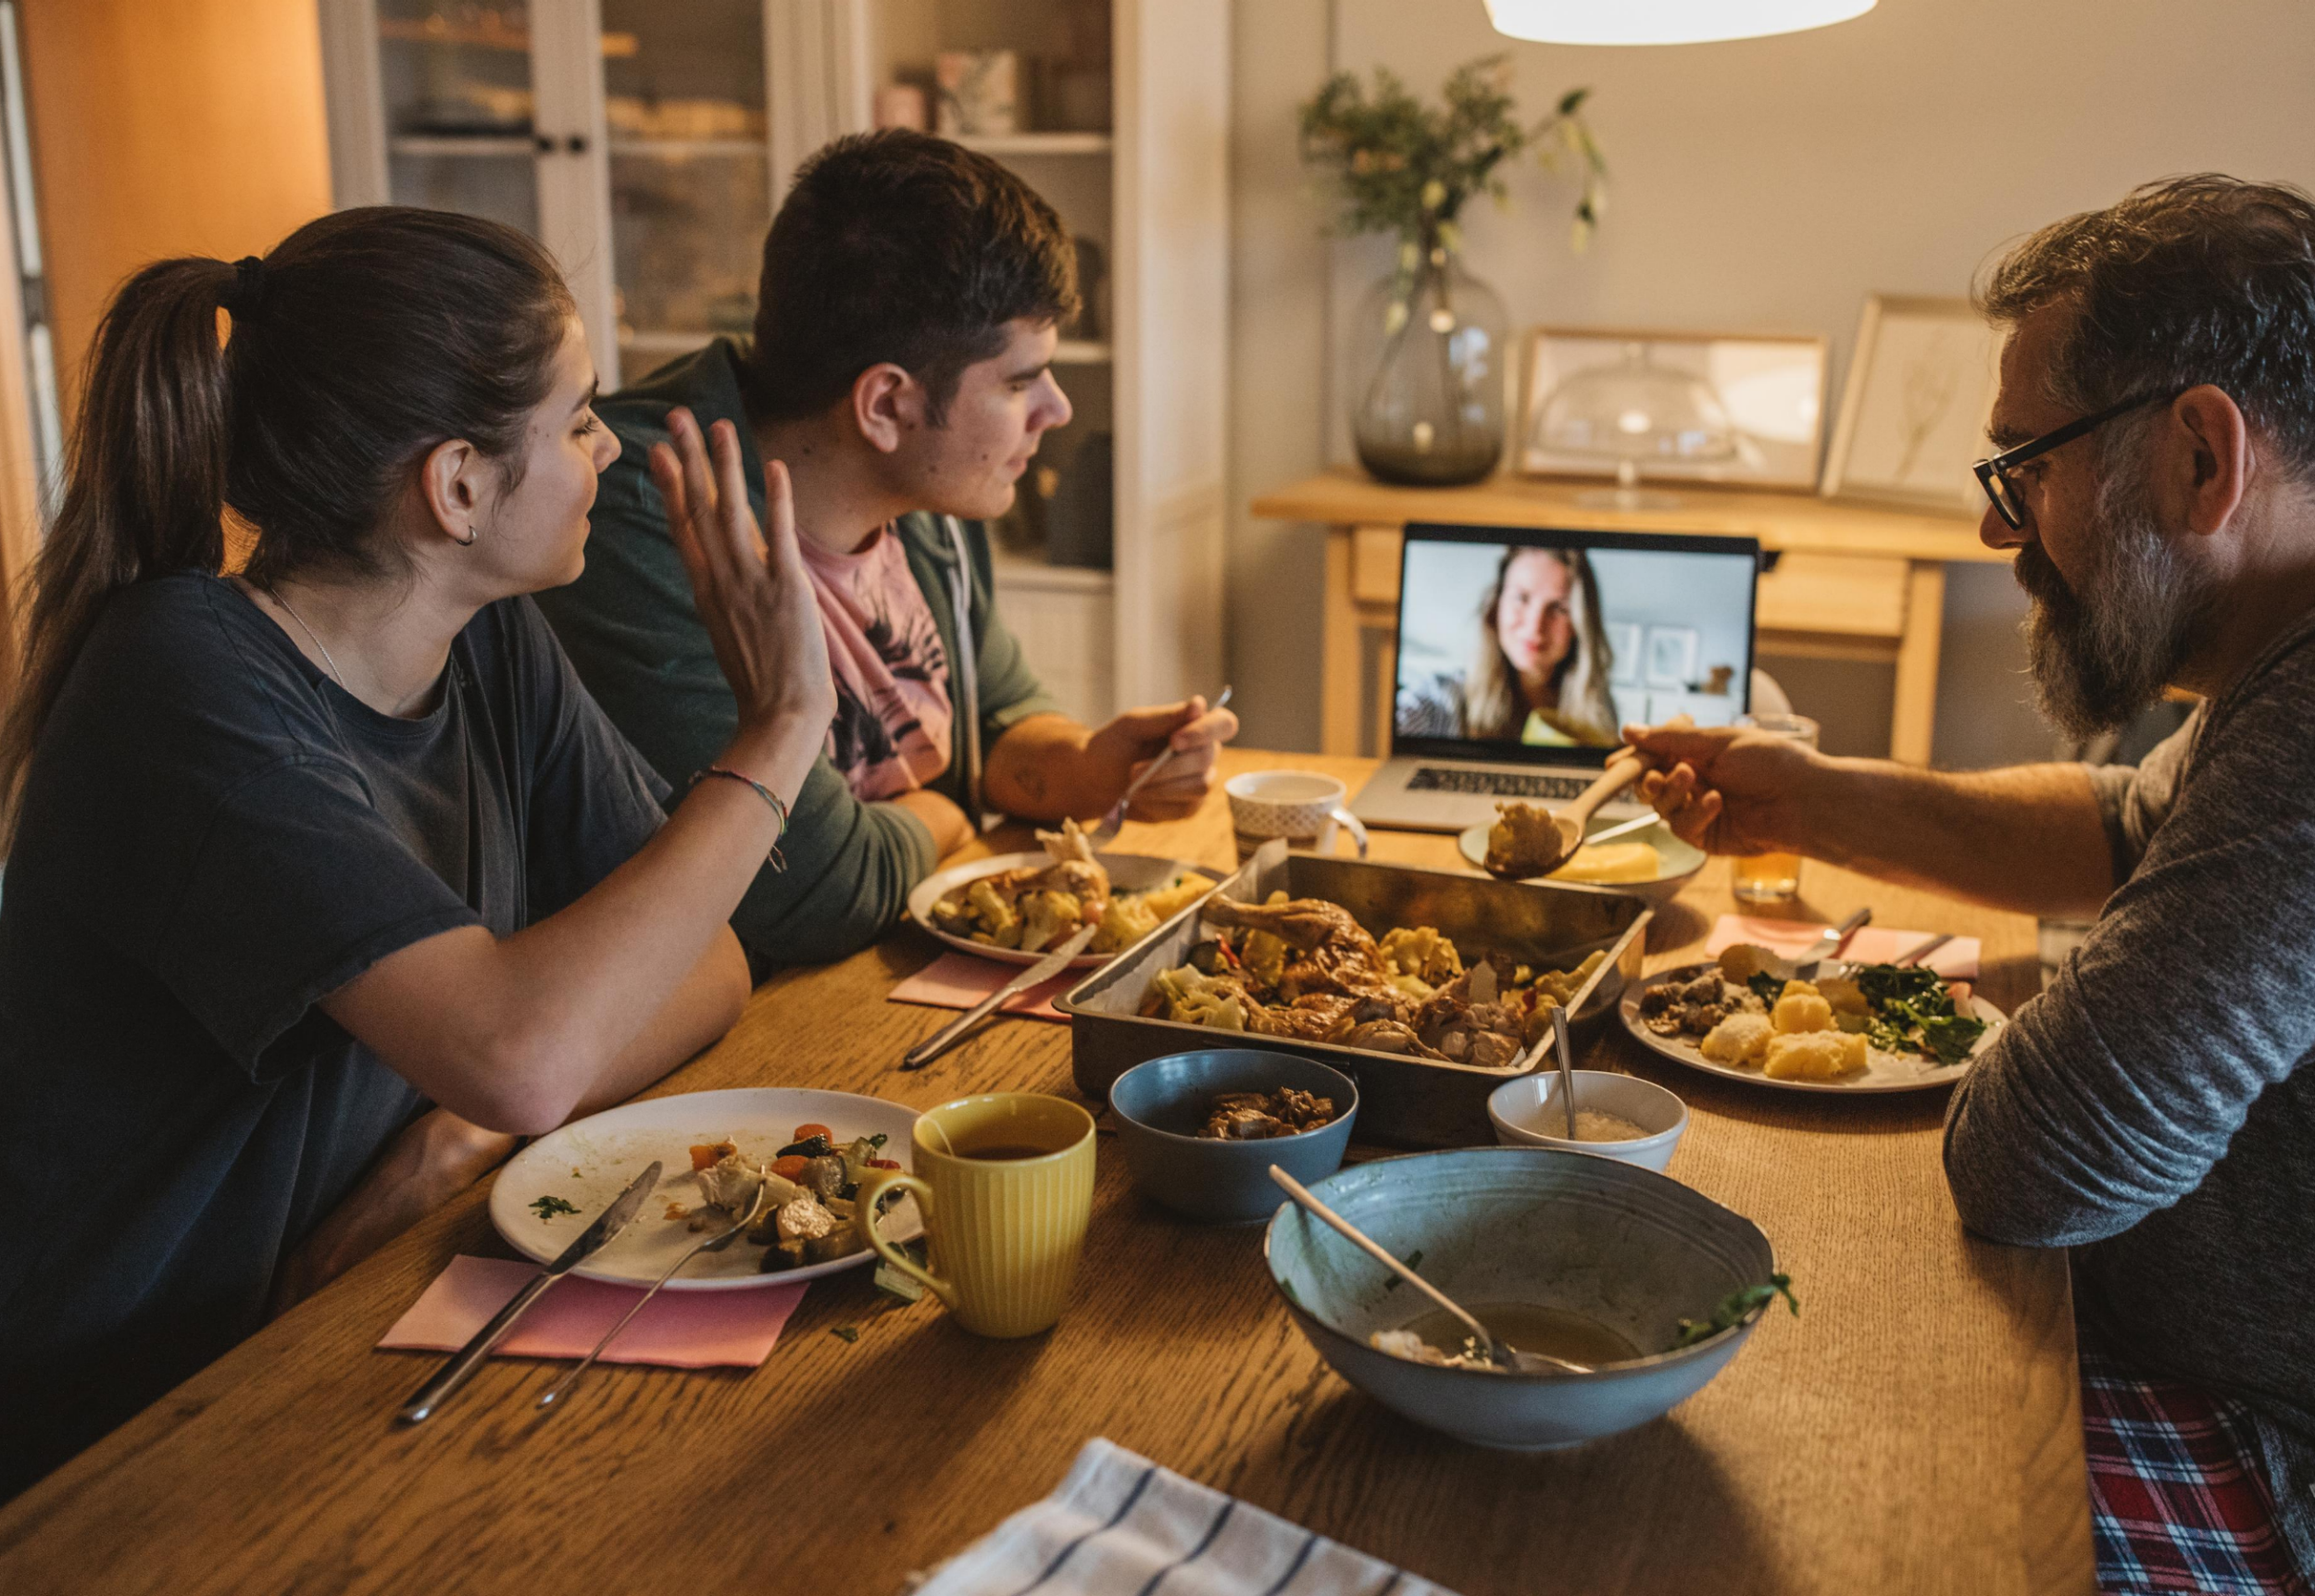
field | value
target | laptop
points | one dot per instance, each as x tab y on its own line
1522	651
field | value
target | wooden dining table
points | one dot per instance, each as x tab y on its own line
1916	1429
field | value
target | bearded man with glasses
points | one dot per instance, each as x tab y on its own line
2153	1110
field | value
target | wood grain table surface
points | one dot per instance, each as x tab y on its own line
1916	1429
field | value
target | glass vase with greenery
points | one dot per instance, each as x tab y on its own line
1431	341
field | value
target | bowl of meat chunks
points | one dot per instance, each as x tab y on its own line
1201	1129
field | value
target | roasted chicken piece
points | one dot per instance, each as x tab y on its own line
1309	924
1385	1036
1327	951
1074	869
1308	1018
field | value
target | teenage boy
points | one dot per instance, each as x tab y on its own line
911	296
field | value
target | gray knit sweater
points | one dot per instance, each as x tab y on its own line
2154	1109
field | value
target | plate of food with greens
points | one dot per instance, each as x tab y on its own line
1847	1028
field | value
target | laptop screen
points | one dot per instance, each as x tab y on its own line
1538	646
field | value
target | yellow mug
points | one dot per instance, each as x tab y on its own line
1005	1183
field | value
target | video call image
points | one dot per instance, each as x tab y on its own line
1563	647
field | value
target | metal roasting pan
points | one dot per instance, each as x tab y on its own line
1402	1101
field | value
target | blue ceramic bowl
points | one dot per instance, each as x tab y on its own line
1631	1250
1161	1104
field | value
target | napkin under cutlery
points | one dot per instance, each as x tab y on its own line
679	1329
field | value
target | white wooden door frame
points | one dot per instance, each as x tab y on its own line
572	161
574	164
30	440
1171	70
819	79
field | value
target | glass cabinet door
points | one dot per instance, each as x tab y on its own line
459	107
690	171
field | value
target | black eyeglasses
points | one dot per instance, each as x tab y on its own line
1994	475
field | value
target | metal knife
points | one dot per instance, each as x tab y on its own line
1044	969
467	1359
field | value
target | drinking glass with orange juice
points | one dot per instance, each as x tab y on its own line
1772	878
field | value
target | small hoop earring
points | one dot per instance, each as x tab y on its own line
468	542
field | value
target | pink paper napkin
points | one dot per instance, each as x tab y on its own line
1872	946
960	981
682	1330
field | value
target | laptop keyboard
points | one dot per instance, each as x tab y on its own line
1495	783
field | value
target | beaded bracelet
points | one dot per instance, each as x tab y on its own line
778	809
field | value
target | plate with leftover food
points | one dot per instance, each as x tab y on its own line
1306	970
1015	906
1853	1028
715	1149
1650	862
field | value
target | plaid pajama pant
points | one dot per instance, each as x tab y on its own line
2177	1503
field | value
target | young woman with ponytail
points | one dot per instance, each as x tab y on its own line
326	878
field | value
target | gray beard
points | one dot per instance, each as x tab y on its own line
2105	653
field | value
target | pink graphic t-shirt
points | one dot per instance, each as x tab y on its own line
891	733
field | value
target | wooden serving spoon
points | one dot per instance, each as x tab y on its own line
1624	768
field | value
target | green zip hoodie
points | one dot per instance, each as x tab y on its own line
628	625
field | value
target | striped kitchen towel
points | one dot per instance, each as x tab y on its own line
1120	1526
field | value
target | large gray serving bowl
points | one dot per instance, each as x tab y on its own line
1161	1103
1635	1250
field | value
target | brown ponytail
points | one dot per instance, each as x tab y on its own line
145	483
365	339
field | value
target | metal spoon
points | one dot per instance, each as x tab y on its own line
1501	1355
1566	1050
1101	835
714	1243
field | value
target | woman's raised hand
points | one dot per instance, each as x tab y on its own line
752	589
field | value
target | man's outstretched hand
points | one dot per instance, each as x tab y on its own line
1726	790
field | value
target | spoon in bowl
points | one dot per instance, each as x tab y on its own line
1624	768
1501	1355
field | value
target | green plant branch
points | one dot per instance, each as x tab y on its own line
1402	166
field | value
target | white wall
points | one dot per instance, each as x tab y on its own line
1762	185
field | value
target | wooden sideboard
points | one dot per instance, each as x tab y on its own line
1851	581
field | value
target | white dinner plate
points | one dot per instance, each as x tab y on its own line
588	1164
1679	861
1883	1072
1128	873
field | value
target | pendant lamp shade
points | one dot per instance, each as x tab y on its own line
1663	21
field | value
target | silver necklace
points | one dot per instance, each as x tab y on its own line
335	674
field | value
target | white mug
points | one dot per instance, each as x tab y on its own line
1300	805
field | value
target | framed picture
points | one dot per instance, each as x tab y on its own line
1672	407
1914	409
1671	655
1623	646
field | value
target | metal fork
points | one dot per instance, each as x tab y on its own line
716	1243
1103	834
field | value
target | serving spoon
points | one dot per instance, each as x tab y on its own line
1500	1353
1624	768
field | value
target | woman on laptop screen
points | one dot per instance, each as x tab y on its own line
1540	662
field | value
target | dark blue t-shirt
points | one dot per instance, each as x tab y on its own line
214	836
